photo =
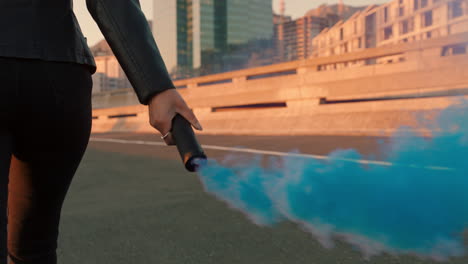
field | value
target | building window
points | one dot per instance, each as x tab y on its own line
411	24
404	27
407	26
341	33
459	49
385	14
359	42
345	48
355	27
416	4
401	11
455	9
424	3
427	19
388	33
428	35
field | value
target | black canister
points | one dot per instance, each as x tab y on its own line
187	144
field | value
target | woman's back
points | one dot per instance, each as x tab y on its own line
42	29
45	108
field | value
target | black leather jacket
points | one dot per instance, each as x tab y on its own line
48	30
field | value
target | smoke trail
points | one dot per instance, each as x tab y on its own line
419	205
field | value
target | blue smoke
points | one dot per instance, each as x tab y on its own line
415	203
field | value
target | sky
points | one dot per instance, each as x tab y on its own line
295	8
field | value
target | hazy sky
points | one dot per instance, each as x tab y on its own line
295	8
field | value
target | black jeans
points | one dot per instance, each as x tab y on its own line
45	124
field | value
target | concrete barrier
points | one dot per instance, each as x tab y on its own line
353	97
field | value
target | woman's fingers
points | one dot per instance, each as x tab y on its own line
162	109
188	114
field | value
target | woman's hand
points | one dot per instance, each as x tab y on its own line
162	109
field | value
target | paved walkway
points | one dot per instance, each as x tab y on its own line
136	204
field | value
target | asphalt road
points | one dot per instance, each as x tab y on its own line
136	204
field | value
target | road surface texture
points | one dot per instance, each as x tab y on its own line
135	204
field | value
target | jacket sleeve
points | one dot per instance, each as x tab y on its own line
125	28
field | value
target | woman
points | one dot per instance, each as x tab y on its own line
45	109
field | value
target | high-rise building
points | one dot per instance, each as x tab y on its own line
248	20
194	33
341	8
166	22
294	37
300	32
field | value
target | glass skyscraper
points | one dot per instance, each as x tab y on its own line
248	20
196	33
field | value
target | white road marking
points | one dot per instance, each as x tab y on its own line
273	153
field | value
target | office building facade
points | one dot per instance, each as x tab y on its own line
248	20
194	33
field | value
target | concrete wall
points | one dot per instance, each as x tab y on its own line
302	97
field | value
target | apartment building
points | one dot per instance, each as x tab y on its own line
398	21
109	75
348	36
410	20
293	38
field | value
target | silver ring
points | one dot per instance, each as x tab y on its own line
165	136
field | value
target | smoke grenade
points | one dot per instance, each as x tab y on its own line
189	149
